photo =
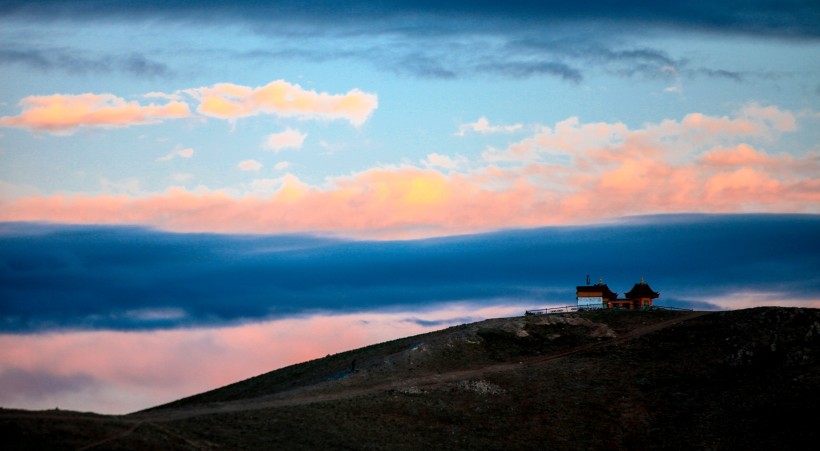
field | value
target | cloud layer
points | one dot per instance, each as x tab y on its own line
121	372
797	18
435	40
57	277
569	173
65	113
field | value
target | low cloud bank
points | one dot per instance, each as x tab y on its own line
57	277
118	372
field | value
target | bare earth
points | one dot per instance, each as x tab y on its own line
612	380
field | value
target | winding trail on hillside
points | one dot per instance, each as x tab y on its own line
118	436
302	395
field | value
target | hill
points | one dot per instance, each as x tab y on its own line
745	379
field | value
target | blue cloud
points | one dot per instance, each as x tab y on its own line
39	385
517	69
790	19
444	322
434	40
55	276
76	62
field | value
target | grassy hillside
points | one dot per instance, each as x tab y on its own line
745	379
459	347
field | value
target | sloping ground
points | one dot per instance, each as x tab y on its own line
461	347
746	379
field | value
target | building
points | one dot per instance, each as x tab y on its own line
600	296
641	296
594	296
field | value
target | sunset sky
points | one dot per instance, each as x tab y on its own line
187	187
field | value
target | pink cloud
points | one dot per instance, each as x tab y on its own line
741	155
758	188
567	137
282	165
784	167
136	370
575	173
178	152
780	120
437	160
63	114
249	165
717	125
483	126
288	139
230	101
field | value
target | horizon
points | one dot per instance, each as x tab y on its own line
265	183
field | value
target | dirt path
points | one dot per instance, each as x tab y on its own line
118	436
300	397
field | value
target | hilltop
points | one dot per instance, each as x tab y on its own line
744	379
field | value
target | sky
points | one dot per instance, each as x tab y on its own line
185	183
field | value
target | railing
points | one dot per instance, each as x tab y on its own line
663	307
575	308
564	309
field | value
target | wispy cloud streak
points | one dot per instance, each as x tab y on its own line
75	62
230	101
64	114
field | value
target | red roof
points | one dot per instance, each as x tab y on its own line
641	290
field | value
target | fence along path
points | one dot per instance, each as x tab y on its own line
575	308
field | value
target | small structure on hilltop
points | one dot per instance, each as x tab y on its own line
641	295
594	296
600	296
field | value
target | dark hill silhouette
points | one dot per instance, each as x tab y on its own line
745	379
